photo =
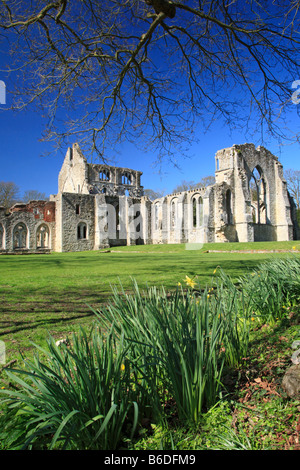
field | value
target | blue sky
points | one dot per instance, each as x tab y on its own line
22	161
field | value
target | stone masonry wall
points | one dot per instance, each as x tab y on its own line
77	210
29	219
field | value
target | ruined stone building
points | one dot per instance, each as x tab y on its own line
98	206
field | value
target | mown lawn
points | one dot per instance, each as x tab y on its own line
41	294
52	294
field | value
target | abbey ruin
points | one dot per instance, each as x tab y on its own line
99	206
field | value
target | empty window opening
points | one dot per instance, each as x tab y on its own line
104	175
194	212
173	213
42	237
197	207
228	203
126	178
156	216
1	236
20	236
118	216
258	194
77	209
82	231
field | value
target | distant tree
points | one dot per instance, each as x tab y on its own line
292	178
187	185
154	194
33	195
9	193
293	183
206	181
184	186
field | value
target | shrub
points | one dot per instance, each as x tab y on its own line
236	311
78	398
271	286
178	339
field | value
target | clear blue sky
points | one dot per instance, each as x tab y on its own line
22	163
21	150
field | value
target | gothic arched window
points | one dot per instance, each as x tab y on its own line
42	236
20	236
1	236
173	213
197	211
228	202
258	193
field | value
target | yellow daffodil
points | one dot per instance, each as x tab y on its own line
294	248
190	282
179	283
123	367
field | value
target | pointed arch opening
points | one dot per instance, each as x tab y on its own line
173	213
197	211
43	237
228	204
1	237
258	193
20	236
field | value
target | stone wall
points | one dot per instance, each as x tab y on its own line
28	226
79	176
270	218
77	214
98	206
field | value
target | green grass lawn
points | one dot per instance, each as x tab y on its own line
50	293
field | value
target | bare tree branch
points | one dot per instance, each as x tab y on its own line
149	71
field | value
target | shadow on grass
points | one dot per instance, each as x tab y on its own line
22	306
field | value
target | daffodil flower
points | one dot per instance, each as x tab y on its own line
190	282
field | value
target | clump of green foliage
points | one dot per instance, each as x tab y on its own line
146	349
